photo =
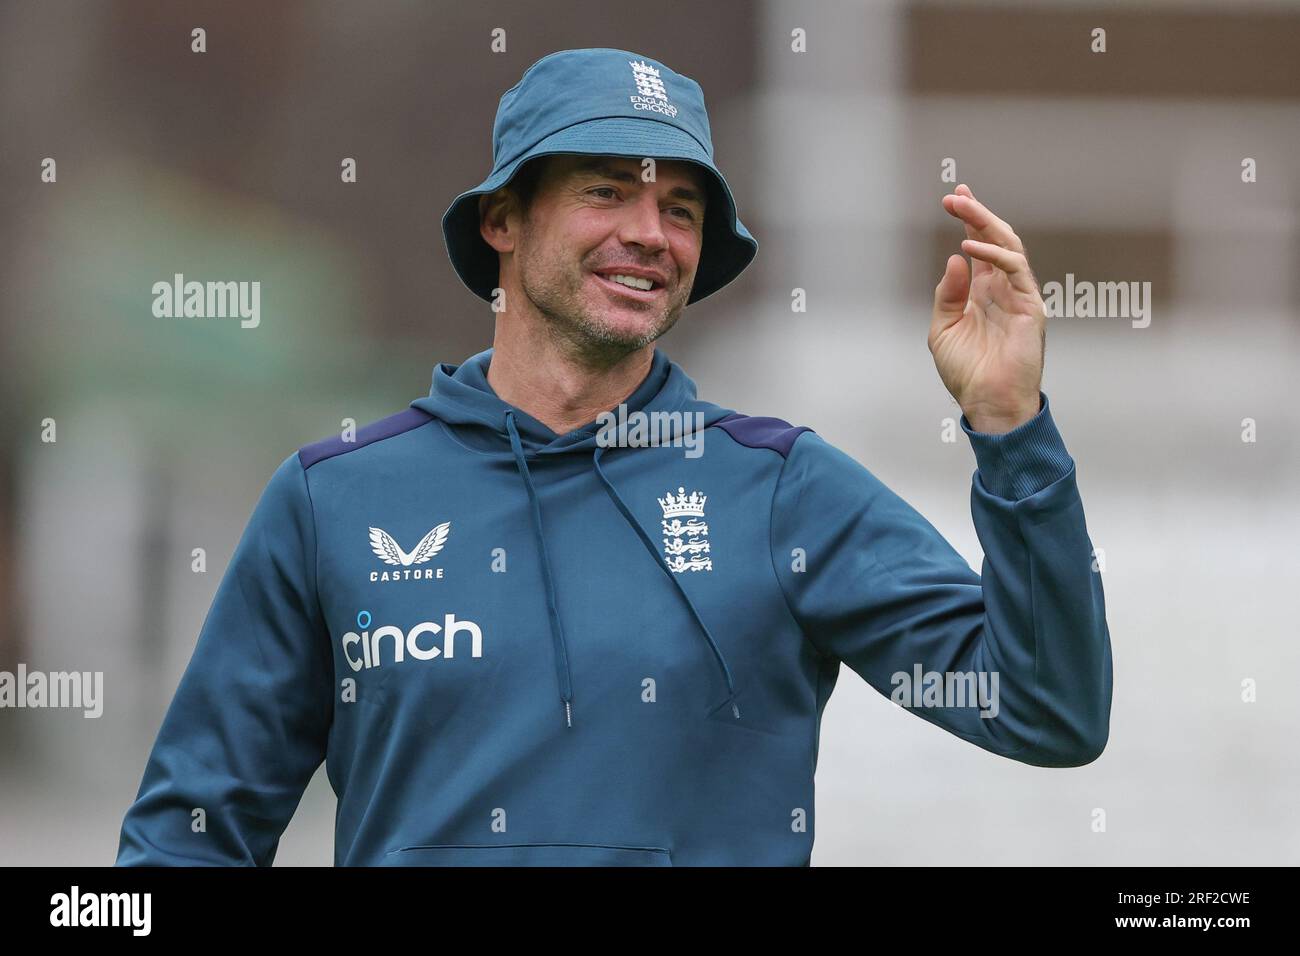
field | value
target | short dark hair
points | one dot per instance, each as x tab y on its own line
526	179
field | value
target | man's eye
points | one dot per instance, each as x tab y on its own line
605	189
682	209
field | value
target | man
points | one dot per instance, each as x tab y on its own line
520	633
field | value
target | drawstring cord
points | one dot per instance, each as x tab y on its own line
557	633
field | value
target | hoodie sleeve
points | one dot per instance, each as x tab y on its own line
249	722
880	589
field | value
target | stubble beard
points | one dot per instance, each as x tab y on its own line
555	289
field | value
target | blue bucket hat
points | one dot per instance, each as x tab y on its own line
601	102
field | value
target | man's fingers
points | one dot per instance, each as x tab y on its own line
1013	263
978	269
978	217
950	296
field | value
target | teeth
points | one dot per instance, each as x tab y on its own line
645	285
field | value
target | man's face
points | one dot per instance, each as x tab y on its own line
593	218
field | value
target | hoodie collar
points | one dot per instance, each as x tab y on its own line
462	398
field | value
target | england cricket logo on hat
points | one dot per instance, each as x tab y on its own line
686	546
650	93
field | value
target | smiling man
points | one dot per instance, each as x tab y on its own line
598	257
647	638
607	257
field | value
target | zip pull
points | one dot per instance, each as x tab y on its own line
568	714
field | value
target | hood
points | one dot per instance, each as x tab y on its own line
461	398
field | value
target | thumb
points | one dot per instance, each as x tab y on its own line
950	295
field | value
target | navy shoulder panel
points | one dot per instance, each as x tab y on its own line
403	421
755	431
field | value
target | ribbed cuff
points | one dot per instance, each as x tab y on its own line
1023	461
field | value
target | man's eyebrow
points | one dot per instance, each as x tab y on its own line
602	167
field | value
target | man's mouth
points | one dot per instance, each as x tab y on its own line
643	288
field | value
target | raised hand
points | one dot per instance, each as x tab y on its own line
988	332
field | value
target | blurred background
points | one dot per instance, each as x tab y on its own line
1117	166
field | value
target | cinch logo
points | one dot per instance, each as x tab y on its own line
652	95
408	642
685	544
388	551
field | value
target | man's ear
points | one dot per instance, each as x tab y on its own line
494	219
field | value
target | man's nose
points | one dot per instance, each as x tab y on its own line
642	223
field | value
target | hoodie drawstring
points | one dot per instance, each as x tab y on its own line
663	566
557	632
552	607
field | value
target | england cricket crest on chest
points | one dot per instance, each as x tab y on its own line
686	536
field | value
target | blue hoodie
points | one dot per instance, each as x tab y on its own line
512	647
